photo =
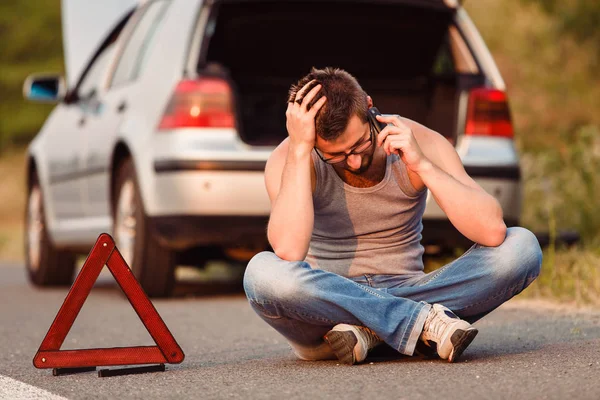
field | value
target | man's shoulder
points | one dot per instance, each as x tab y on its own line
415	126
277	160
424	135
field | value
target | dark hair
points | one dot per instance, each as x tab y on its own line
344	95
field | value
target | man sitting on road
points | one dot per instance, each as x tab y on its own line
345	226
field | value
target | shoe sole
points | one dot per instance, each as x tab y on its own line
426	351
342	344
461	339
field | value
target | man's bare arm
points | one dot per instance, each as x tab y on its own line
289	183
473	211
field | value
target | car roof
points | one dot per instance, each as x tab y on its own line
84	25
440	4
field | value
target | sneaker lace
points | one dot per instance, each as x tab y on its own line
370	337
434	327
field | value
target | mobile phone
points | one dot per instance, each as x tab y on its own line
373	111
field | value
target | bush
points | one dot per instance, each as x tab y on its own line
562	186
31	42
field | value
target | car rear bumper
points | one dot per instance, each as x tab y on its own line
208	188
510	172
209	202
203	202
166	166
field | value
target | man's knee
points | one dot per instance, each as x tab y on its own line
268	277
518	257
258	274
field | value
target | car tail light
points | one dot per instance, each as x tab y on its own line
488	114
206	103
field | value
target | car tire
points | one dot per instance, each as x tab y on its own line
45	264
152	264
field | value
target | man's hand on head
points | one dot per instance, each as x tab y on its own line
300	122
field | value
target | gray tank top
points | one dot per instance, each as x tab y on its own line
375	230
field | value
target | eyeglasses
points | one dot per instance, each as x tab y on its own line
360	150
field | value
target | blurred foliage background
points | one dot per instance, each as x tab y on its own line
548	52
31	41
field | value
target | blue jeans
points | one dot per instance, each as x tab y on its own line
303	303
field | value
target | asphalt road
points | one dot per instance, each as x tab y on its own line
523	351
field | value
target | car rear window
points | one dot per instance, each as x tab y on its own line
135	53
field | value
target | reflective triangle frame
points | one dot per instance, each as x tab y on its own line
106	253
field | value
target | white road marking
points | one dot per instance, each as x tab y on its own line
15	390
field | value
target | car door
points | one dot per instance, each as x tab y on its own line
66	147
103	126
63	148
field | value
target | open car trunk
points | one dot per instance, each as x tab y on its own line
397	50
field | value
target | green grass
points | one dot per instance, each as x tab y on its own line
562	187
569	275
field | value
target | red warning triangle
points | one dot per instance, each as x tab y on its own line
106	253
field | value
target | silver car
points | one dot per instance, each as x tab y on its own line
162	139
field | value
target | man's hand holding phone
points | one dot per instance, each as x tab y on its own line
301	119
398	138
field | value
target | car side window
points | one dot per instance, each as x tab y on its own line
461	54
93	78
444	62
135	53
96	71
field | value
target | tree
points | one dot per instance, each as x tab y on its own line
579	18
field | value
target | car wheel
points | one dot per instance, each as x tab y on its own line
45	264
152	264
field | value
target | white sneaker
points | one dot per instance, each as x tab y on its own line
451	334
351	343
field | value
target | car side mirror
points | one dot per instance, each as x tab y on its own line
45	88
